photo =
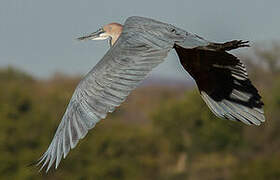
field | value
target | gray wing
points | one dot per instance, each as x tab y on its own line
106	86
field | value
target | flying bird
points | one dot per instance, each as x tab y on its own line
136	47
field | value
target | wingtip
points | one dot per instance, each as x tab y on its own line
239	44
243	43
43	159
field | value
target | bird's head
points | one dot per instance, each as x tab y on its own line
110	31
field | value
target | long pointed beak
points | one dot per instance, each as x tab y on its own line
93	36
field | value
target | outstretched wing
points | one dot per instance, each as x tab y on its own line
223	81
105	87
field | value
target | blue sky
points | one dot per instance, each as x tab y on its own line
39	36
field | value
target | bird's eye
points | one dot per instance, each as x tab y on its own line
173	30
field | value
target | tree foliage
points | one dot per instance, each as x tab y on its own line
156	134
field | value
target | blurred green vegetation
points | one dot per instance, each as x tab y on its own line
158	133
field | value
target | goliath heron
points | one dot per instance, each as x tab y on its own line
135	49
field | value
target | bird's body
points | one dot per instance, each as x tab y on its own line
136	48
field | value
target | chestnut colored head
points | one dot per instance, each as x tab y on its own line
111	31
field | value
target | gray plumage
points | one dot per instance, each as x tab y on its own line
143	44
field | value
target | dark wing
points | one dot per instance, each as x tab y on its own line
223	81
105	87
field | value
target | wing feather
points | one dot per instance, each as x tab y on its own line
104	88
223	82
